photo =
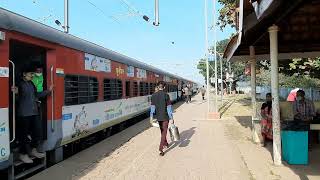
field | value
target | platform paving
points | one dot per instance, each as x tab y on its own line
209	149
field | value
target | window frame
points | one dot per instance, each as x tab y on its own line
85	89
112	89
135	89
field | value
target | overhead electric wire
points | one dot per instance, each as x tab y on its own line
51	14
101	11
130	8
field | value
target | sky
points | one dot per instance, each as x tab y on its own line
108	23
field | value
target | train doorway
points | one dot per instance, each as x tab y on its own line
22	56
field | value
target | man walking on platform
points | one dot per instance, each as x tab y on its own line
186	91
203	92
160	103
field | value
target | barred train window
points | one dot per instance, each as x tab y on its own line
144	88
112	89
147	88
168	88
80	89
135	89
152	88
172	88
128	88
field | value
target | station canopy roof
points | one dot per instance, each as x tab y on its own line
299	29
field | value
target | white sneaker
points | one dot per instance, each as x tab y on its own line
37	154
25	158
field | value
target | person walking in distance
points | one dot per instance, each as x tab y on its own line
190	92
187	93
203	92
160	103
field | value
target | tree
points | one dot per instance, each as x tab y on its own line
221	45
237	67
286	79
227	14
301	66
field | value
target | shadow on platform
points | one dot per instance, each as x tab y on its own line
245	121
185	137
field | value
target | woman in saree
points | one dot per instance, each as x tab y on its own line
266	122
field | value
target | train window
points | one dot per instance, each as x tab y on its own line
80	89
112	89
168	88
152	88
135	89
147	88
128	87
141	88
172	88
175	88
144	89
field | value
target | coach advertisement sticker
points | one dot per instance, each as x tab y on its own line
95	63
4	135
79	120
130	71
141	73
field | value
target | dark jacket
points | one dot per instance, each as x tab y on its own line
161	104
28	98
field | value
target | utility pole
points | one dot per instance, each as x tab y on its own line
215	55
66	16
207	52
156	13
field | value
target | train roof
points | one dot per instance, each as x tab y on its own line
15	22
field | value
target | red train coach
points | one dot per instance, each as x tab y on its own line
95	88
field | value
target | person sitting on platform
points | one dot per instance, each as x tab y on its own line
266	122
303	109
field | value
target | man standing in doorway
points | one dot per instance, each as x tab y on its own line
30	130
160	103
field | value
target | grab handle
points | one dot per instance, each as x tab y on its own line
13	103
52	100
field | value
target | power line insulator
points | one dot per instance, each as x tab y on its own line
146	18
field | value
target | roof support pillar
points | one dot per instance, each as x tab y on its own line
254	120
273	34
253	81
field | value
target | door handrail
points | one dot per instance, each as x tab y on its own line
13	103
52	101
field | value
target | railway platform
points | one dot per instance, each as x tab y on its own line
208	149
203	153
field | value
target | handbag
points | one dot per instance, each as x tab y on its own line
154	122
174	133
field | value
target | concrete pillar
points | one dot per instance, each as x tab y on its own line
253	82
273	34
256	130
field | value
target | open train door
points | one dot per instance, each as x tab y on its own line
5	160
21	55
